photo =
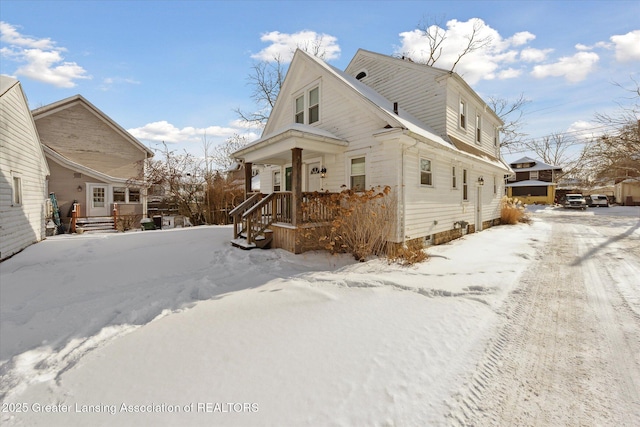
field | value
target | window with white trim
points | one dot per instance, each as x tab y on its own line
277	181
358	174
426	175
16	199
126	195
308	102
495	186
463	114
533	175
454	179
478	128
299	116
496	136
465	186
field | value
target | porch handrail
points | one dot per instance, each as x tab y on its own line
255	197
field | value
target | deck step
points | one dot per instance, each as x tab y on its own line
95	224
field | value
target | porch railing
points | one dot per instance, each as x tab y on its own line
239	224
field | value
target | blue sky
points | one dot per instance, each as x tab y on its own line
169	70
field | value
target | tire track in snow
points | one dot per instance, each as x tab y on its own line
561	356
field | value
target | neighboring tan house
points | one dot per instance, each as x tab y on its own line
627	192
534	181
384	121
23	173
93	161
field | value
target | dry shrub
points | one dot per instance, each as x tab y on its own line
128	222
360	222
512	211
408	254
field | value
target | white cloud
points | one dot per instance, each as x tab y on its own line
165	131
283	45
534	55
573	68
523	37
42	59
109	82
584	130
509	73
489	62
627	46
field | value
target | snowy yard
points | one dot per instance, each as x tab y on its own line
176	327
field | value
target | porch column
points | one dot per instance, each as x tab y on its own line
296	186
247	179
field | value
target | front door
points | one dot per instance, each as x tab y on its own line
313	177
98	202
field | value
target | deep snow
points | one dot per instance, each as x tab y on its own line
180	320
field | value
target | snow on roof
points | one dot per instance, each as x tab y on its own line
538	166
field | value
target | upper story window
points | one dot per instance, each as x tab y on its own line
463	114
307	106
300	109
426	176
496	136
533	175
314	105
478	128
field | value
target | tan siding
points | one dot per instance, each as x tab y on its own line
79	135
21	155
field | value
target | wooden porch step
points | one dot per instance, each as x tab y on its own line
95	224
262	242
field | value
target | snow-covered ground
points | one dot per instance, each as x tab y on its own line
176	327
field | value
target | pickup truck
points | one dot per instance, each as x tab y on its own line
575	201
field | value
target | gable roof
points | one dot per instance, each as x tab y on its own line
79	99
538	165
416	67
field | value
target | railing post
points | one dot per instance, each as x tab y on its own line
74	217
115	216
296	185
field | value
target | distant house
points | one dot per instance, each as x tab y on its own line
627	192
23	173
384	121
534	181
93	161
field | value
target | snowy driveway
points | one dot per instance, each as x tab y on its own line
568	352
176	327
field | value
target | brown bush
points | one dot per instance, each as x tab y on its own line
408	254
128	222
512	211
361	222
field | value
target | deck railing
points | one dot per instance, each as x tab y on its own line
239	224
317	207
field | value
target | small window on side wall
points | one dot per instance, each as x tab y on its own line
454	178
17	191
358	174
465	186
300	109
463	114
314	105
277	181
426	176
134	195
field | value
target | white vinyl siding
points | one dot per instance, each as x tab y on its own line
23	197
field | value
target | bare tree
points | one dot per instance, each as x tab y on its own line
432	29
266	79
222	154
558	149
616	154
511	112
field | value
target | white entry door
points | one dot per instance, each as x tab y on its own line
98	203
313	177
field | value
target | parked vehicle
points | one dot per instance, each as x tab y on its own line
575	201
596	200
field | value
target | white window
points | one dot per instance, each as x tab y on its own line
17	191
123	195
478	128
463	114
426	176
119	194
465	186
277	181
309	101
454	179
299	109
496	136
495	186
533	175
314	105
358	174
